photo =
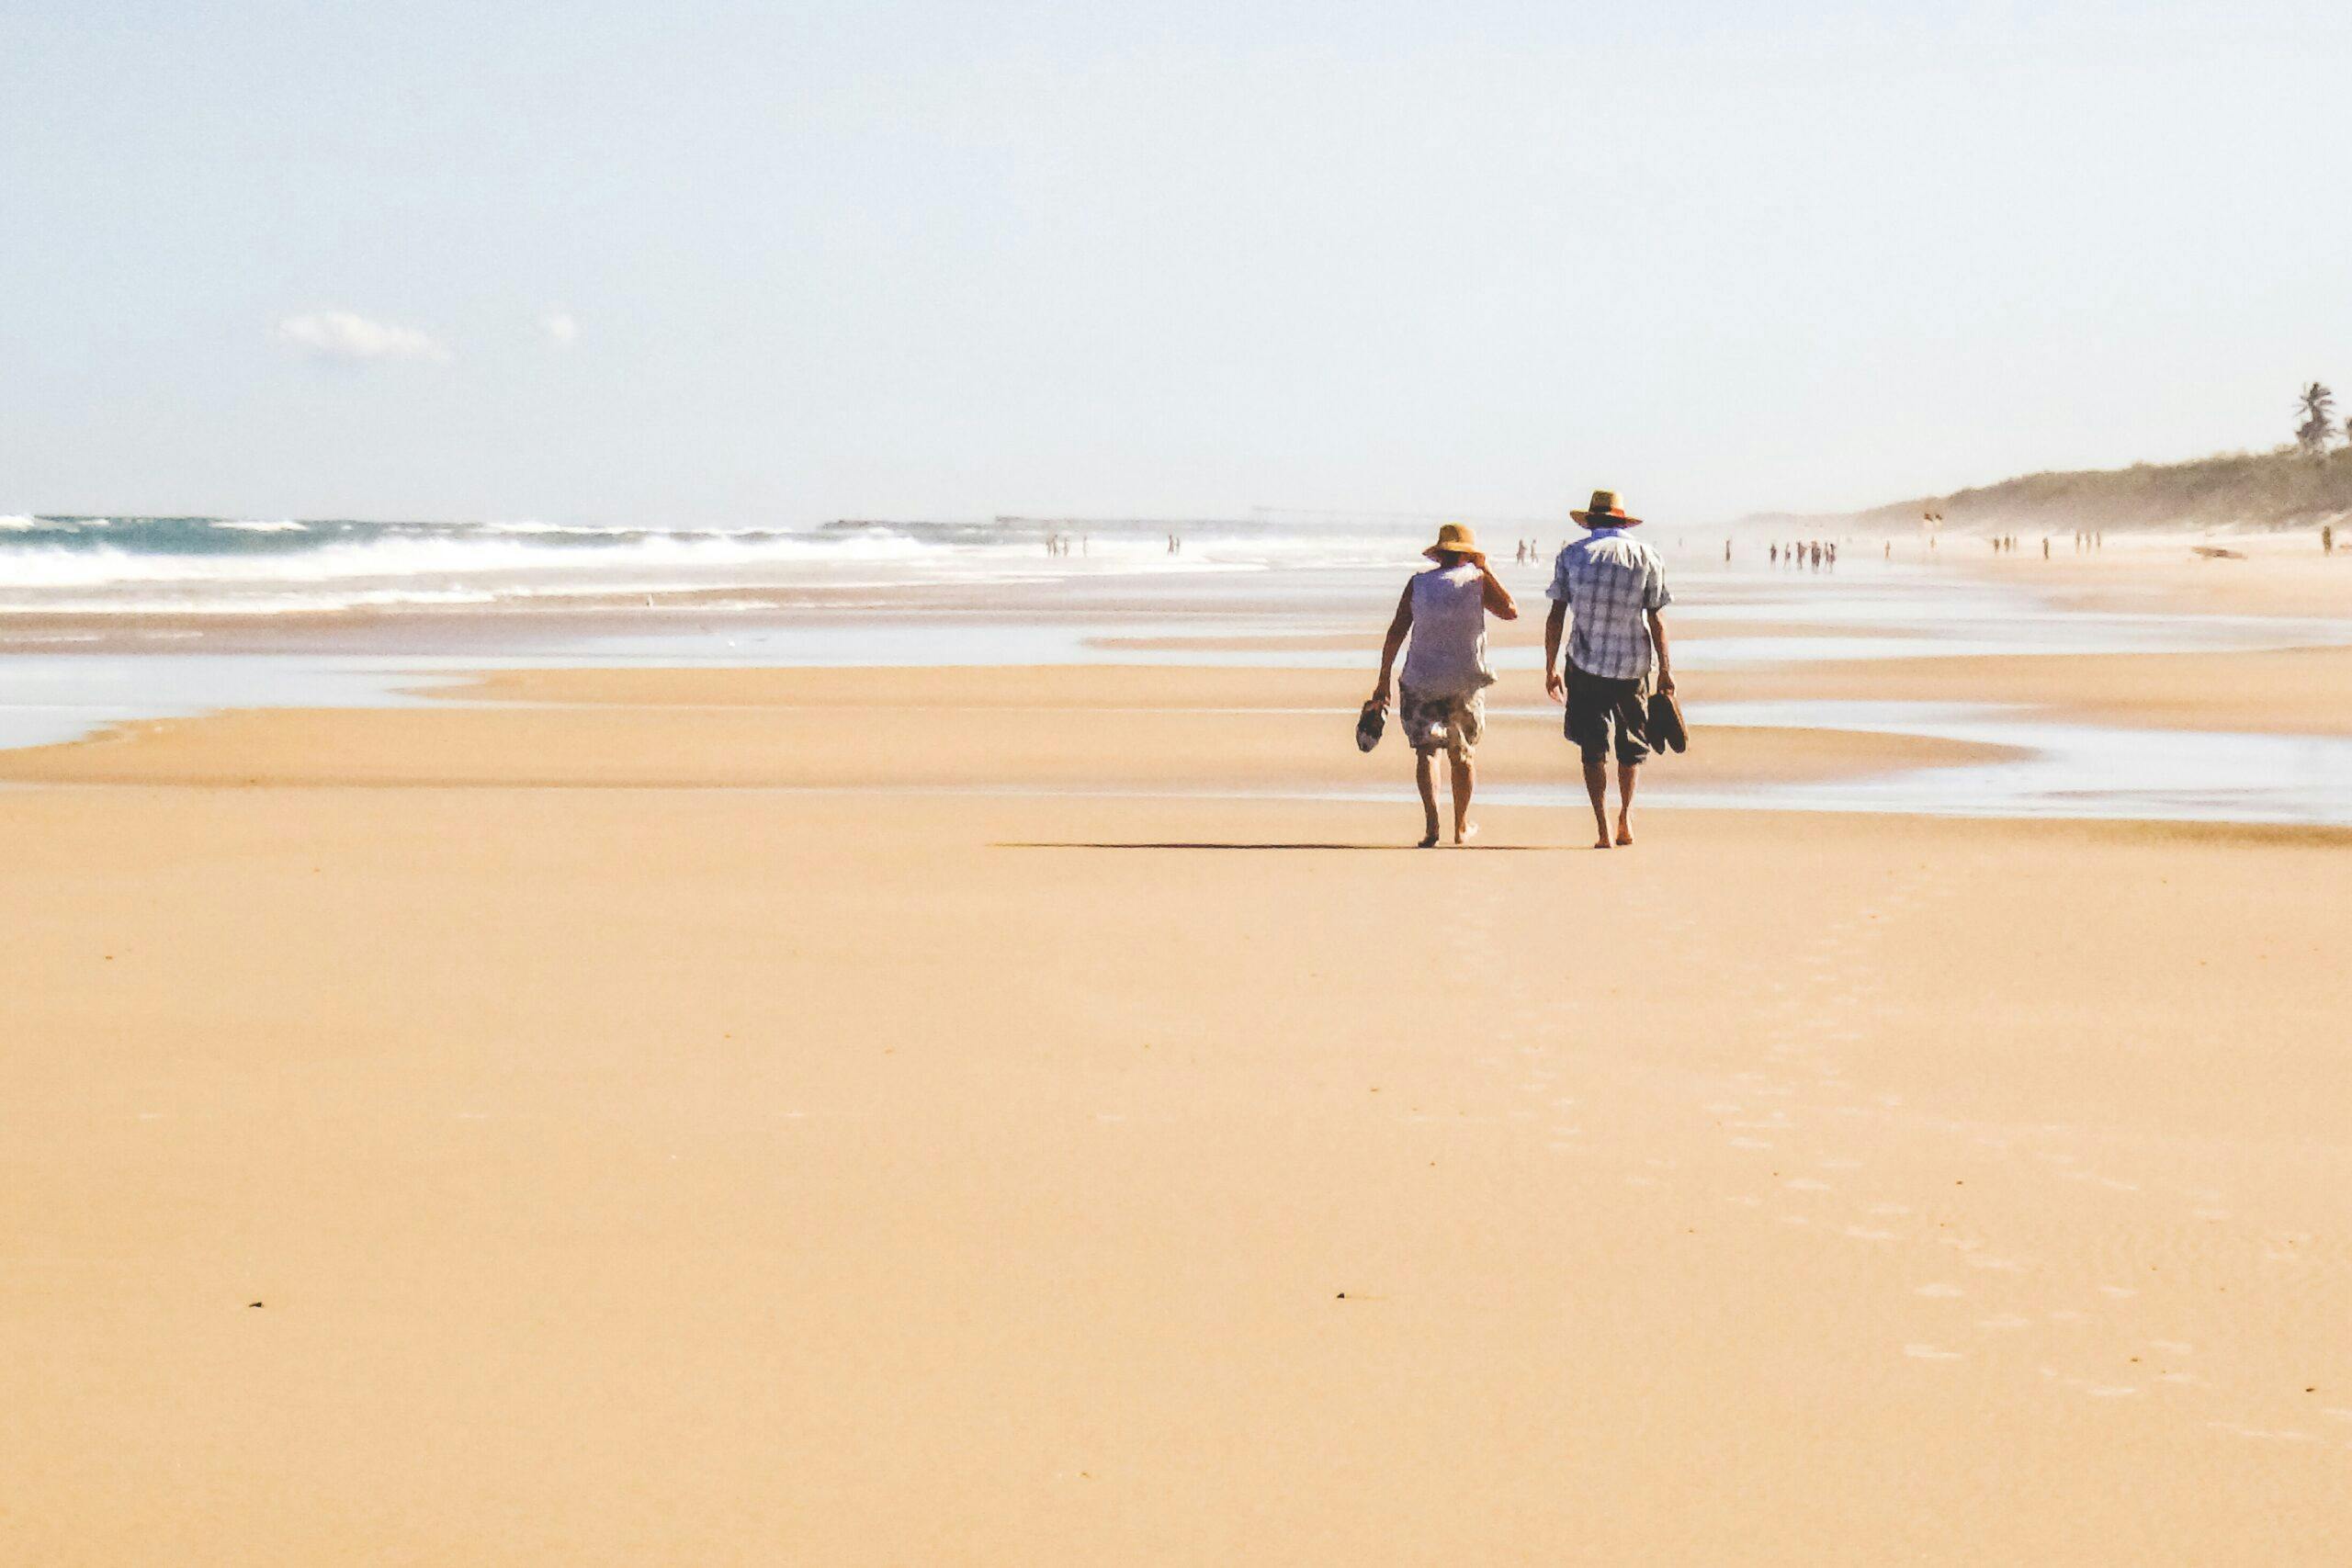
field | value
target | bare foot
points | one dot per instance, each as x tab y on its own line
1467	831
1601	842
1624	831
1429	842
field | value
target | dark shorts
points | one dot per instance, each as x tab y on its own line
1598	705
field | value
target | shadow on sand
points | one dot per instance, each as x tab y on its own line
1407	849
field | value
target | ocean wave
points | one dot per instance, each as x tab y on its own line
408	555
206	566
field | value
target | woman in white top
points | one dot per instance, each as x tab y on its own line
1442	700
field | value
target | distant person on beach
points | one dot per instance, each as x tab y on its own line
1614	588
2327	538
1441	697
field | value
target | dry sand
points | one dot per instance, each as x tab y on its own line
682	1174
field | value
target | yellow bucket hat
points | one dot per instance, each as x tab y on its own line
1456	539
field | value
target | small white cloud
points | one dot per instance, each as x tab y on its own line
339	334
563	328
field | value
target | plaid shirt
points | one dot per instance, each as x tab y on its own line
1609	582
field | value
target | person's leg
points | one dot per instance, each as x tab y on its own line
1587	726
1596	786
1631	720
1465	726
1425	774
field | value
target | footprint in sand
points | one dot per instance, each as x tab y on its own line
1889	1208
1750	1143
1931	1353
2004	1323
2118	1291
1940	1291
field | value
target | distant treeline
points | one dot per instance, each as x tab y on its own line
2285	489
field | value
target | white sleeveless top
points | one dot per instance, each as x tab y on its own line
1447	656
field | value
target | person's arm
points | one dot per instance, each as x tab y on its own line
1496	597
1554	625
1656	597
1388	651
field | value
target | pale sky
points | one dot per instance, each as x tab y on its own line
774	263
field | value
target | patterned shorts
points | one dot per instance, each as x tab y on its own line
1454	723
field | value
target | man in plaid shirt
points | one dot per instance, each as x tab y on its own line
1615	587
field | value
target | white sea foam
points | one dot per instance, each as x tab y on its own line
393	557
528	526
242	527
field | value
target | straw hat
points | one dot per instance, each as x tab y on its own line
1609	511
1455	538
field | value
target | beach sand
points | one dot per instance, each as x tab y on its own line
692	1169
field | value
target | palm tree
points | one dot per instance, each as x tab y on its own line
2317	405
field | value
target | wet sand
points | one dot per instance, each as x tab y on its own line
844	1175
1091	728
